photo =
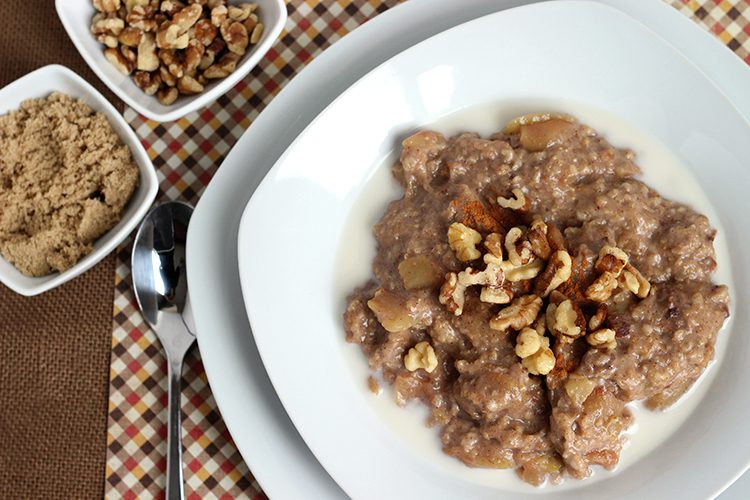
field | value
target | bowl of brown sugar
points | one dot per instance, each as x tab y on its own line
74	179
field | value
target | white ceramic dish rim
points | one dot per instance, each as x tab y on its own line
271	446
271	12
315	428
40	83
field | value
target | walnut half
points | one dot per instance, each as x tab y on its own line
616	269
541	362
610	264
528	342
421	356
463	240
556	273
519	314
603	338
452	293
518	202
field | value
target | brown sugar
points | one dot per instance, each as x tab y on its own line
65	178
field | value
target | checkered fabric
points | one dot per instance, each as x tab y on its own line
727	19
186	153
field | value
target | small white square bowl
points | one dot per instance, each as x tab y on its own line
41	83
76	17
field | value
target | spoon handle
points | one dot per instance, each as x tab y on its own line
174	432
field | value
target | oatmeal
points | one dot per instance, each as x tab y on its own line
528	287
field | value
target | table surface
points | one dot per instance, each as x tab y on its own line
186	154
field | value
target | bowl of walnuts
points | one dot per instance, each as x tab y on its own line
166	58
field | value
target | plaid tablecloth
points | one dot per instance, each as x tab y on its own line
186	154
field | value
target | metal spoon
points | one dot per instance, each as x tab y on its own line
160	283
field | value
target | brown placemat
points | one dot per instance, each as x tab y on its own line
54	348
31	36
54	364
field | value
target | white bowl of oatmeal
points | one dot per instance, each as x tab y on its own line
76	16
333	184
55	257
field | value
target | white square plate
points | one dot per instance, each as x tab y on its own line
41	83
580	52
76	17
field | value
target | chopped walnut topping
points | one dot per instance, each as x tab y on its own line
566	318
540	325
519	314
601	289
540	249
541	362
603	338
518	202
533	349
495	295
556	273
522	273
519	248
528	342
452	294
471	276
494	244
610	264
537	237
631	279
555	238
615	269
611	260
597	320
628	281
463	241
454	288
421	356
550	315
